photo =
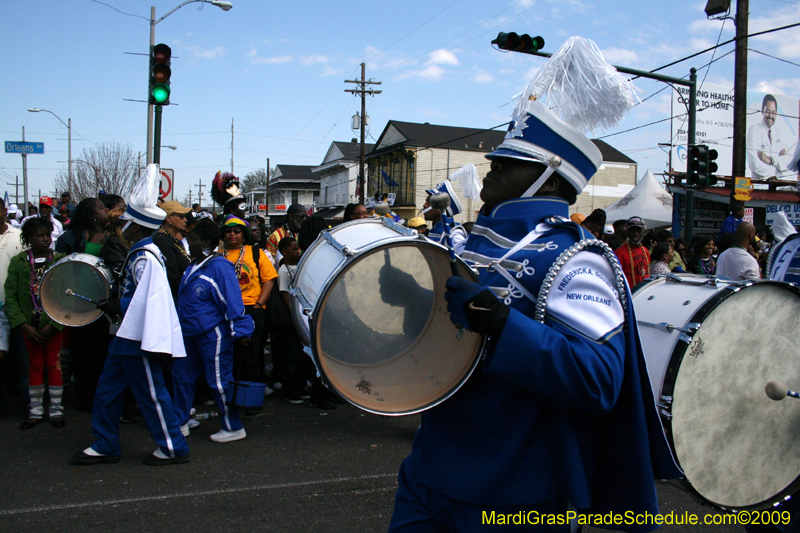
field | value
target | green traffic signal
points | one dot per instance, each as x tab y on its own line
518	43
160	94
160	73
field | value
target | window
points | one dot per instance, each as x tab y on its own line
295	197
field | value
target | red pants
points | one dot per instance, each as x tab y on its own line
41	355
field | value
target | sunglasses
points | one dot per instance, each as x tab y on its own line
233	230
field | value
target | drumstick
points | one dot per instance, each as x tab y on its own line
69	292
441	201
778	390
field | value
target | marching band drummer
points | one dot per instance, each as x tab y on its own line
149	327
559	415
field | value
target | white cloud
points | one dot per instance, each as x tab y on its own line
205	53
483	77
442	57
314	58
620	56
274	60
330	71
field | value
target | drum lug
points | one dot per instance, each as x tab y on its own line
689	330
294	291
344	250
391	224
664	407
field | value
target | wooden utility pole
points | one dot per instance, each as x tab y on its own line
200	186
363	91
740	92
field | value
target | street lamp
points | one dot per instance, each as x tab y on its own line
69	142
225	6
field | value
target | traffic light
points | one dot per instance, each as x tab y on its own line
697	165
160	72
519	43
712	167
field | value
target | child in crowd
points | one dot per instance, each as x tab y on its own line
41	334
301	369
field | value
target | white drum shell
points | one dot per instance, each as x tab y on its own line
736	446
391	379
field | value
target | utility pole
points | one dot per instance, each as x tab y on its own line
200	186
363	91
25	175
231	145
16	190
190	197
267	193
740	91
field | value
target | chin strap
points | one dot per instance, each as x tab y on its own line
553	164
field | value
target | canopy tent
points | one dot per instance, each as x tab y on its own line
648	200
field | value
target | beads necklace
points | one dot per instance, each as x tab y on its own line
36	278
176	243
238	264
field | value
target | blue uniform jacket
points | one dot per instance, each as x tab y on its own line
551	413
210	295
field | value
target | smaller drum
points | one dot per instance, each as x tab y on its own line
711	346
368	301
72	286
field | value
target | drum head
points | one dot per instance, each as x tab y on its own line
385	342
82	276
737	447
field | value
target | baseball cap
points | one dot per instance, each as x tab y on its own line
635	222
46	200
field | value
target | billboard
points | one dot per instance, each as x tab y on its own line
772	132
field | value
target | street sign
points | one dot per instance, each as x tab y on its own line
167	187
280	207
15	147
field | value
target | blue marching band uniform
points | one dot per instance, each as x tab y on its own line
212	316
147	329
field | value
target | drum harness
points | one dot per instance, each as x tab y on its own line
541	300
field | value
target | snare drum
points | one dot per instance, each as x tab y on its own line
87	278
389	350
711	346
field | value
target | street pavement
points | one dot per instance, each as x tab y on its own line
299	470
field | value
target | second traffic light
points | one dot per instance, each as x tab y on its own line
518	43
160	72
701	167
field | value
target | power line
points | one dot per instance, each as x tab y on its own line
773	57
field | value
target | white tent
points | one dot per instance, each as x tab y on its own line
648	200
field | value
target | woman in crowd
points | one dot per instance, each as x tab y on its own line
256	276
703	262
169	238
89	343
354	212
212	316
113	201
660	258
41	334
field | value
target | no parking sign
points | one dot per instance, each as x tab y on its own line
167	187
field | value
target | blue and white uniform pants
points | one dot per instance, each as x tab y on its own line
143	375
212	353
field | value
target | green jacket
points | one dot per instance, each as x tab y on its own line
18	293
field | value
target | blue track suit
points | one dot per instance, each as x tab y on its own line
128	365
212	316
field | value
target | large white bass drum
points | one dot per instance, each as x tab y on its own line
711	347
368	302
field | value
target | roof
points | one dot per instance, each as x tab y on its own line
295	172
291	186
429	135
352	150
611	154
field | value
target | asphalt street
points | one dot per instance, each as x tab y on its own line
299	469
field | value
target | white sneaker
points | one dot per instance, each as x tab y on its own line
277	385
267	390
227	436
192	423
185	430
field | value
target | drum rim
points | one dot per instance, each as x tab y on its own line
97	263
668	386
374	247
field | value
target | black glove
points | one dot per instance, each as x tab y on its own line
397	287
475	307
110	306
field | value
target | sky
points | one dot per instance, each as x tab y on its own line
275	73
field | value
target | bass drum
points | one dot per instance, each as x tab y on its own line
70	287
711	347
368	301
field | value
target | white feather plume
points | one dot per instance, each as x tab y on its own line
580	87
466	178
145	191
